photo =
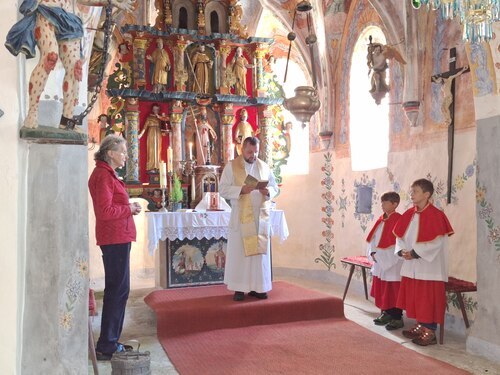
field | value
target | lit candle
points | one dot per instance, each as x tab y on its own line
190	150
163	175
170	160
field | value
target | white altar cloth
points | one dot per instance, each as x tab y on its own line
210	224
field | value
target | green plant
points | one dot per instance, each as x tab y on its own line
176	192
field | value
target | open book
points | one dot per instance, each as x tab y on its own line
256	184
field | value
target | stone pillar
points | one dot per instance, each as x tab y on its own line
139	62
181	75
265	119
224	51
176	139
258	84
227	120
132	117
483	338
55	306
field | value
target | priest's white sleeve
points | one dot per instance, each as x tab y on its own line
227	189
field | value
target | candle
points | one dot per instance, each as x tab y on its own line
193	189
163	175
170	160
190	150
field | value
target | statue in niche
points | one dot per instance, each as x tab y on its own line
57	32
205	138
239	67
103	126
161	66
377	57
243	130
202	64
153	126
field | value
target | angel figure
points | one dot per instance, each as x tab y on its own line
377	57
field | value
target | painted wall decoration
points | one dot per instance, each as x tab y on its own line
362	187
327	248
342	202
74	291
486	214
483	73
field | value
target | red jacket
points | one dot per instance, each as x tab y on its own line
114	221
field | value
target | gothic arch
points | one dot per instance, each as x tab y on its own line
219	8
191	13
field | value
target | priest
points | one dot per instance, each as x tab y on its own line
248	261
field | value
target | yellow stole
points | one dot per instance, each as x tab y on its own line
255	239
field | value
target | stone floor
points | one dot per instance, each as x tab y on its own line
140	325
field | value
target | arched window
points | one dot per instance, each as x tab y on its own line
214	22
183	18
369	122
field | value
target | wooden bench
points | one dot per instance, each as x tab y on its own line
357	261
458	287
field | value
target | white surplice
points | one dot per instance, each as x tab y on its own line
388	265
433	261
242	273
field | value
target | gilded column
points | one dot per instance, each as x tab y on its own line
132	118
140	47
167	13
261	51
201	17
227	117
176	139
224	51
180	76
265	120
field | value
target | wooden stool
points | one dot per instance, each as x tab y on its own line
458	287
92	312
360	261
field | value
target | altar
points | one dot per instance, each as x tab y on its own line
192	245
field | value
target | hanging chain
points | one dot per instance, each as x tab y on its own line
107	27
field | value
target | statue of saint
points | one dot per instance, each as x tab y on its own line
240	65
201	64
205	138
57	31
377	57
243	130
154	140
161	63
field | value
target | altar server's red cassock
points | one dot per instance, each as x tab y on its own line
422	290
386	271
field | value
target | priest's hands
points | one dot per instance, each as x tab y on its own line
246	189
264	192
135	208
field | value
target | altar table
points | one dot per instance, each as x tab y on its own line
192	245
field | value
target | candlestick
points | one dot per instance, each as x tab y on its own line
163	174
170	160
190	151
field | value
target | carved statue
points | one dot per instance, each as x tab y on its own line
56	30
205	137
240	65
243	130
201	63
447	95
377	57
161	63
103	126
154	140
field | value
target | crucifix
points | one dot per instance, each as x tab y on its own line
447	80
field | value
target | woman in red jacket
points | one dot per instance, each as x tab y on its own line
115	230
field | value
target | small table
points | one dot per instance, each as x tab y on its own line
357	261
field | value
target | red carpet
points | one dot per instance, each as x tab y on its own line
295	331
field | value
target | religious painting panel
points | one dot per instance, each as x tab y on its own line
195	262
